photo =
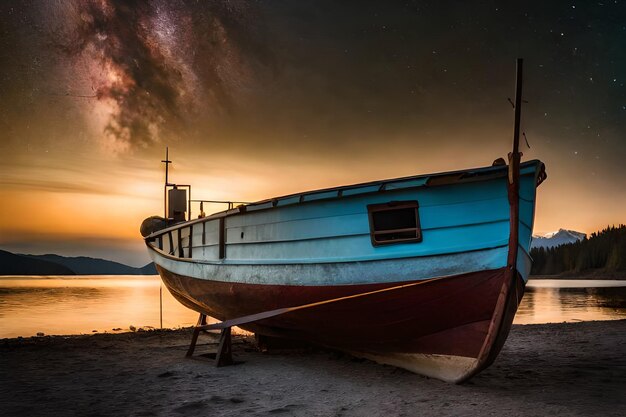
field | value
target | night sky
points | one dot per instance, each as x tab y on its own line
262	98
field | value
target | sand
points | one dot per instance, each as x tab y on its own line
553	369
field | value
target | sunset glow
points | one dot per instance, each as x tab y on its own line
254	101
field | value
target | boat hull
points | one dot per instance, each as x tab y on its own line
439	327
423	272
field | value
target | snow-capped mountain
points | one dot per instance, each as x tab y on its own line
561	237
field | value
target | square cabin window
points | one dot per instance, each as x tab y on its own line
394	222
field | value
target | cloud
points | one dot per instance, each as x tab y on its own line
78	173
53	186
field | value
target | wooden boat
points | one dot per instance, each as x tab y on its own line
422	272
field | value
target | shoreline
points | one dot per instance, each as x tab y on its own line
543	369
586	275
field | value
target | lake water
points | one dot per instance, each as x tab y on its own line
559	300
82	304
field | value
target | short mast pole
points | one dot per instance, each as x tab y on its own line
167	162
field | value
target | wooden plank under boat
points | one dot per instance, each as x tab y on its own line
423	272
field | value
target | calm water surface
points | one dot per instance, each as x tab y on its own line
569	300
82	304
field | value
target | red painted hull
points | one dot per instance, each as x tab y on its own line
466	315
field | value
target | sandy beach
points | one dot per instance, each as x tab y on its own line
550	369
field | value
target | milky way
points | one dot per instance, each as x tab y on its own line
312	76
156	65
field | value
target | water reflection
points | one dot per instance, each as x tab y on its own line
74	305
555	301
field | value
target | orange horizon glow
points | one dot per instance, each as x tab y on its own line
118	205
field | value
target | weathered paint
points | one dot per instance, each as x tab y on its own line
448	368
455	218
414	327
314	246
352	273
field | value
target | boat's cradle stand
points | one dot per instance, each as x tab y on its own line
224	354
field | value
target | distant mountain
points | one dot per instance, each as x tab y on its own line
148	269
601	256
83	265
14	264
554	239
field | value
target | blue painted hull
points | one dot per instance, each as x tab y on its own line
465	228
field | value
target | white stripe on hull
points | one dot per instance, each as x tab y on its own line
344	273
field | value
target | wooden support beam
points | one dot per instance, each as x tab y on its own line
224	354
196	332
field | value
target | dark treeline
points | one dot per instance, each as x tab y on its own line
604	250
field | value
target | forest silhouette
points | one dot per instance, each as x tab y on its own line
603	251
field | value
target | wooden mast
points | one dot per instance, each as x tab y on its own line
509	297
514	174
